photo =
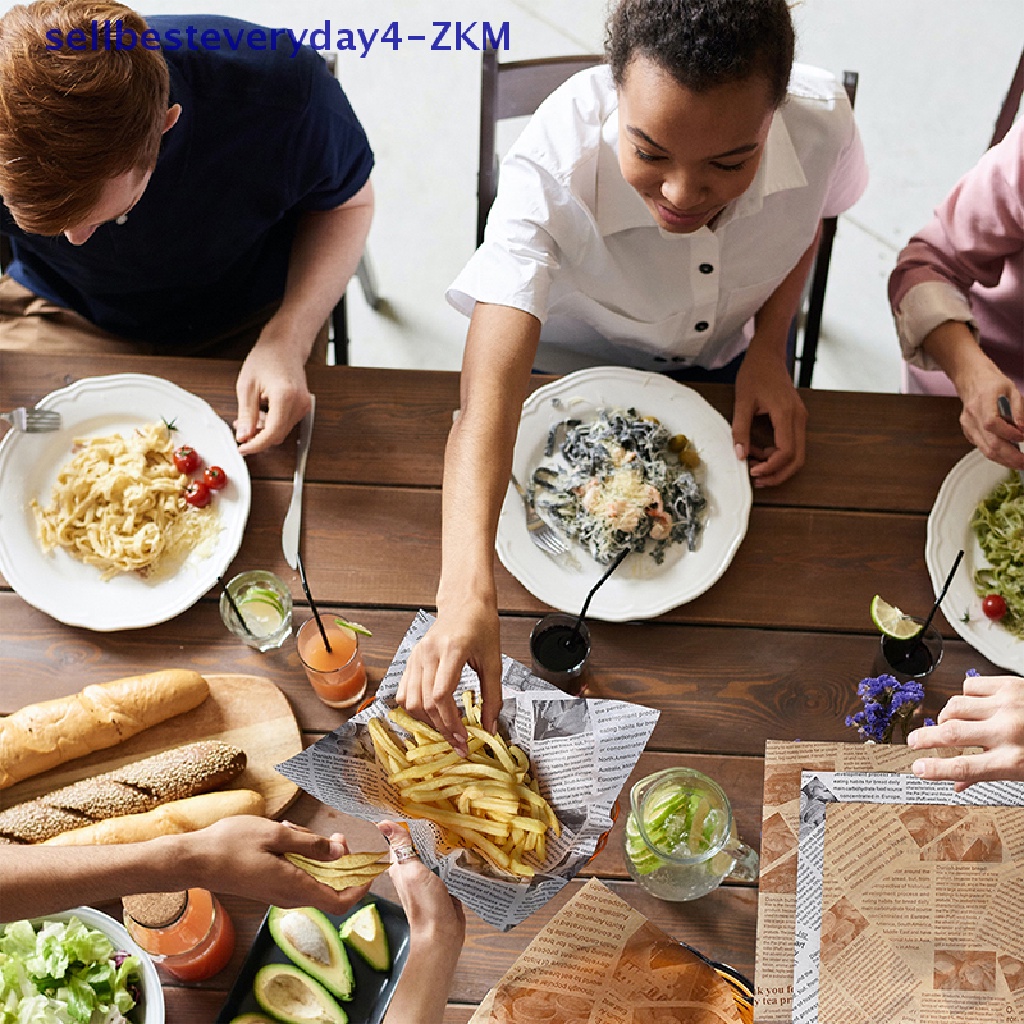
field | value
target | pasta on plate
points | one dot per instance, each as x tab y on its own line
619	480
118	505
998	523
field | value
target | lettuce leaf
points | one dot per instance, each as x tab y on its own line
64	973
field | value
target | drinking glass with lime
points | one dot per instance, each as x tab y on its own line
257	607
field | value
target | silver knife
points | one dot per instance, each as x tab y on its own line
1006	413
293	518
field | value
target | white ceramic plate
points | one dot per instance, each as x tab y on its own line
152	992
949	530
639	589
69	590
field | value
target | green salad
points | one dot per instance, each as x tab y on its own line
998	523
63	972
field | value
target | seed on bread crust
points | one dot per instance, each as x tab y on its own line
131	789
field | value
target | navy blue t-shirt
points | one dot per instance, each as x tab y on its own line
262	138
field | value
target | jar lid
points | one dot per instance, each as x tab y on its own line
155	909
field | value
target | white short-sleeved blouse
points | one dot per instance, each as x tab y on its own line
571	242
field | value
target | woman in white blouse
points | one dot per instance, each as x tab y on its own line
659	212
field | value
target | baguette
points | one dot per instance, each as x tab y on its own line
131	789
42	736
195	812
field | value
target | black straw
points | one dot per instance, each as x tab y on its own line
945	587
234	608
586	604
312	603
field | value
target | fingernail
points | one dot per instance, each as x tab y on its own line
917	768
739	452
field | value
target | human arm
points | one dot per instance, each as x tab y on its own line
765	385
989	714
437	930
956	294
325	252
979	383
500	348
240	855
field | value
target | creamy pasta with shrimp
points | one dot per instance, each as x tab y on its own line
620	480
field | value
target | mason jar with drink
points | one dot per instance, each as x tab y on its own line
680	840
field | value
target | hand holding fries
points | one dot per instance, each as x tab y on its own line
487	801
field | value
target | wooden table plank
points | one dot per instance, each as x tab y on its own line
796	568
720	690
383	426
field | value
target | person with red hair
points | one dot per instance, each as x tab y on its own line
170	198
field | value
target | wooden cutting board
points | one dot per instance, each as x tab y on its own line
247	711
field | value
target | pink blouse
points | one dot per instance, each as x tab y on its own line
967	264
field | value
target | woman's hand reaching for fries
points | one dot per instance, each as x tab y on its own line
434	669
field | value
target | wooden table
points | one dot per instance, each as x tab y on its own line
774	650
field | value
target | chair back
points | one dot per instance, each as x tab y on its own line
515	89
819	280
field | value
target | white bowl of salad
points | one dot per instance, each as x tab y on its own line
76	967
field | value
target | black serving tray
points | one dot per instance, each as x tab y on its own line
373	990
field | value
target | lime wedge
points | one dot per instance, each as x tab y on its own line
891	621
262	617
353	626
261	595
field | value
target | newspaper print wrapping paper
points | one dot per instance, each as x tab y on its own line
910	901
599	961
780	828
581	752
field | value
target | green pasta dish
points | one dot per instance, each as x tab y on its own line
998	523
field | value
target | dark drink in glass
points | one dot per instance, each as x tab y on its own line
560	652
914	657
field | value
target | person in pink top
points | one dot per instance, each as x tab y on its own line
957	294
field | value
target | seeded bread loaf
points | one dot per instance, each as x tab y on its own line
131	789
171	819
42	736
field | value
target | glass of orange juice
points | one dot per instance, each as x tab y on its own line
338	676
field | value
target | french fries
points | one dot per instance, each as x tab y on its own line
487	801
347	872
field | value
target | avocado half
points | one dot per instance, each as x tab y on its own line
293	997
311	942
364	932
251	1018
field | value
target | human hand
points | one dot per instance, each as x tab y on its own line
243	855
273	375
763	385
989	714
982	425
433	913
466	635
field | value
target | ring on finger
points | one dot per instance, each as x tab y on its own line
404	853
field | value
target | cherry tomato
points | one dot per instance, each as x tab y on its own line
186	459
994	606
214	477
197	494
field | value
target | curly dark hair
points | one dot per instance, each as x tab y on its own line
705	43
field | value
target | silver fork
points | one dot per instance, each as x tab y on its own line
541	533
32	421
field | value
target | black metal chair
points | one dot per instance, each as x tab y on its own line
818	281
511	90
517	88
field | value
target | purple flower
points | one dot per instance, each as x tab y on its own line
888	703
